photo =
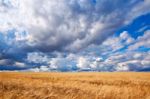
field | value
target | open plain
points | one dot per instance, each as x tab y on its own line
88	85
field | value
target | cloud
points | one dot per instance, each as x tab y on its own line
8	64
63	25
19	64
126	37
114	60
71	35
118	57
140	9
37	57
142	41
5	62
116	43
83	63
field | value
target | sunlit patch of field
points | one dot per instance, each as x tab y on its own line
27	85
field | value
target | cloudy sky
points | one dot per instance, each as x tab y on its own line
75	35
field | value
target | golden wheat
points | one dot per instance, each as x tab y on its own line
115	85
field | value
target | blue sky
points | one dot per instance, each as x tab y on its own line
74	35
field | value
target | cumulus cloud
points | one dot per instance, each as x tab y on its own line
37	57
142	41
140	9
8	64
71	35
132	60
116	43
63	25
83	63
119	57
19	64
5	62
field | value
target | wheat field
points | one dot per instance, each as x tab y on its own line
88	85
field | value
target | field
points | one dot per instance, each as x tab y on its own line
117	85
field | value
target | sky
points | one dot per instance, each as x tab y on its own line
74	35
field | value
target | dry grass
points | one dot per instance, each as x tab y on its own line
74	85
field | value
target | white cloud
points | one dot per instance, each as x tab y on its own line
137	55
125	36
122	67
62	24
44	68
145	62
140	9
115	43
34	70
43	27
19	64
116	60
83	63
128	61
142	41
60	64
37	57
5	61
